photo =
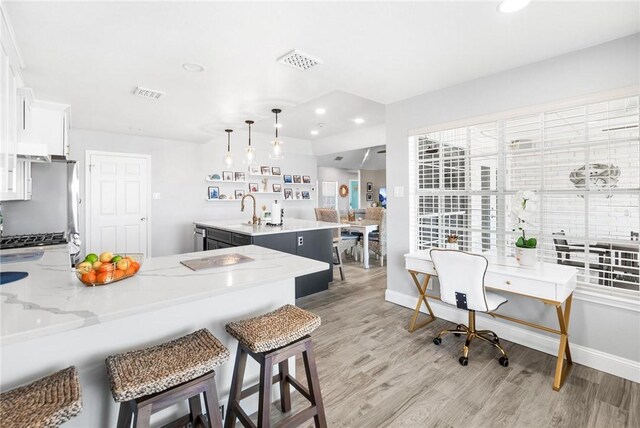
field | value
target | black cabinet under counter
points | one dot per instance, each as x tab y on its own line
316	244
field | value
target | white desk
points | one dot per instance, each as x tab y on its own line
550	283
365	227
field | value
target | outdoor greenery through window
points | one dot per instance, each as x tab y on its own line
582	163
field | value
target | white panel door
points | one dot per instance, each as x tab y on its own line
117	199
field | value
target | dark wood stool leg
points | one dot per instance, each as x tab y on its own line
266	383
285	389
213	407
125	415
236	387
314	384
195	407
142	418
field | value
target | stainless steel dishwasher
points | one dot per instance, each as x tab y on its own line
199	238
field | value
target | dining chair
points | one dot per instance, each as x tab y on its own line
378	242
564	251
341	241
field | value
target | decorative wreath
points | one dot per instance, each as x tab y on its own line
344	190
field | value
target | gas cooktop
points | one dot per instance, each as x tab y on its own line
35	240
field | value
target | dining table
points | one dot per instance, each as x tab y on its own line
365	227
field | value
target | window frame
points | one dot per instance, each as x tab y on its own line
610	296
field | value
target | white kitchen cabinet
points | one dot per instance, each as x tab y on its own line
24	184
8	129
50	125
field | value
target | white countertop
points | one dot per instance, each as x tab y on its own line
52	300
289	225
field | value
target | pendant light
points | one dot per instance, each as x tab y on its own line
228	158
276	145
251	153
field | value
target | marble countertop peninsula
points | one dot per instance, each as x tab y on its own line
52	300
289	225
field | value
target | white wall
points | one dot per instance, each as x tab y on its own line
341	176
378	178
360	139
600	329
178	171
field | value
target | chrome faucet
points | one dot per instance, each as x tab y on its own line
254	220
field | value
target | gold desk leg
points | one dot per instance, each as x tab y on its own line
422	289
563	370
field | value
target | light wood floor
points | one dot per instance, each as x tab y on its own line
374	373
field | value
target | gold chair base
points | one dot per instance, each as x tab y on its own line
471	333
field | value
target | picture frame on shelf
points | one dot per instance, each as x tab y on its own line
288	193
254	169
239	176
306	179
369	196
277	187
253	187
265	170
239	194
305	194
275	170
369	187
297	179
213	192
287	178
227	175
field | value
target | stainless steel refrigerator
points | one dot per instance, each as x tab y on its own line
53	206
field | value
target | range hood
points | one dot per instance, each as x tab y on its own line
33	152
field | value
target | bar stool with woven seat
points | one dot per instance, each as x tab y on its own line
151	379
47	402
272	339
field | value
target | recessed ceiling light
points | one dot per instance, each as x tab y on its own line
314	132
358	120
194	68
510	6
320	111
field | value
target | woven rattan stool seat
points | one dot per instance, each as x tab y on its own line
47	402
274	329
151	370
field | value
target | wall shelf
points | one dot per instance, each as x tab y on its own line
222	200
265	175
264	193
300	184
208	180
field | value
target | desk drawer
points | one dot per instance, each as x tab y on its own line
528	287
418	265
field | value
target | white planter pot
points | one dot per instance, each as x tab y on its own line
527	256
451	245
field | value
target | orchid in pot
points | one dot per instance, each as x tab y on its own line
522	216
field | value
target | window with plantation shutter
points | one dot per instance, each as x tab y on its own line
583	163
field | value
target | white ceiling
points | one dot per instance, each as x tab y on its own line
353	159
341	109
92	54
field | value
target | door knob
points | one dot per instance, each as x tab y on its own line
143	218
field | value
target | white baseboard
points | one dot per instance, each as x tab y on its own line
608	363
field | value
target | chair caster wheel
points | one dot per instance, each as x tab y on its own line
504	361
463	361
437	341
457	334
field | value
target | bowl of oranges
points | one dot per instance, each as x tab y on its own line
107	268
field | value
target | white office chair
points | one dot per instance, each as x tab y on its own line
461	277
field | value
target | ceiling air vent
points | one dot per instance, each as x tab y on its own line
148	93
299	60
338	158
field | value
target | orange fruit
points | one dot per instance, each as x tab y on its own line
104	277
117	274
130	271
106	267
89	278
135	265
